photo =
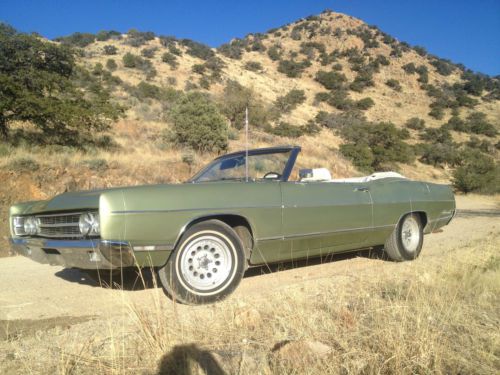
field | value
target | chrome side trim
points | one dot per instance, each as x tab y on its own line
153	247
324	233
190	209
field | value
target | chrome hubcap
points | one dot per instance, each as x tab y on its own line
410	234
206	262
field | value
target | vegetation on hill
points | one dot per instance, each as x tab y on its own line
387	104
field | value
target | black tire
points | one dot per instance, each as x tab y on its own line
206	266
397	247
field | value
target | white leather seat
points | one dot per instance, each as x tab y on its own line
316	174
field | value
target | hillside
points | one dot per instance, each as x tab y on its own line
325	82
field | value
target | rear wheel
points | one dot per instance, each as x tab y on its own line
206	266
405	242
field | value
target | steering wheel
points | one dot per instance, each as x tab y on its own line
274	175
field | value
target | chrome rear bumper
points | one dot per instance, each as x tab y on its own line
84	254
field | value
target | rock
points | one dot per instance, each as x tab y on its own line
248	318
300	353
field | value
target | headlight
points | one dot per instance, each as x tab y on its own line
30	226
89	224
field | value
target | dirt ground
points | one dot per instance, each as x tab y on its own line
36	297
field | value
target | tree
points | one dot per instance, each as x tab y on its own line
478	173
233	102
198	123
331	80
38	85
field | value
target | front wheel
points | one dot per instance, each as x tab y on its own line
405	242
206	266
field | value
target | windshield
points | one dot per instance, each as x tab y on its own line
268	166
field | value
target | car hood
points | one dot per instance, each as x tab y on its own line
63	202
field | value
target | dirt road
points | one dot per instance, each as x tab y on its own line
33	291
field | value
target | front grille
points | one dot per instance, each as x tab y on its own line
59	225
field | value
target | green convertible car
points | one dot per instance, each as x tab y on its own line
239	211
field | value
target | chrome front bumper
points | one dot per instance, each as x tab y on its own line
84	254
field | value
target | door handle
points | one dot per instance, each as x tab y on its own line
361	188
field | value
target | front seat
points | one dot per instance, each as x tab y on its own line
316	174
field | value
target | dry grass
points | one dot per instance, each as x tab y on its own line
438	314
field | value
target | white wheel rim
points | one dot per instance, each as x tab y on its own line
410	234
206	262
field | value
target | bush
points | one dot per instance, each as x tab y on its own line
420	50
104	35
363	79
284	129
198	50
253	66
233	50
436	135
24	164
292	68
130	60
437	112
337	67
442	67
77	39
137	62
478	173
423	74
457	124
290	101
481	145
274	52
149	53
437	154
410	68
331	80
394	84
97	165
415	123
233	102
138	38
364	104
110	50
197	123
478	124
340	100
360	154
170	59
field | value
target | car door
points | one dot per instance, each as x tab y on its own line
323	217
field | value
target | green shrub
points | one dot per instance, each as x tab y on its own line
443	67
130	60
77	39
478	173
423	74
149	53
321	97
253	66
410	68
420	50
415	123
97	165
24	164
394	84
284	129
104	35
196	49
137	62
331	80
364	104
436	135
110	50
340	99
437	112
138	38
111	64
197	123
292	68
233	50
309	48
457	124
439	154
481	145
363	79
233	102
337	67
290	101
360	154
170	59
478	124
274	52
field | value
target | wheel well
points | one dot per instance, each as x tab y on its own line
423	217
232	220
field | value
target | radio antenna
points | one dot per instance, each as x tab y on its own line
246	143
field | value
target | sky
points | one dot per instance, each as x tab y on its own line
466	32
